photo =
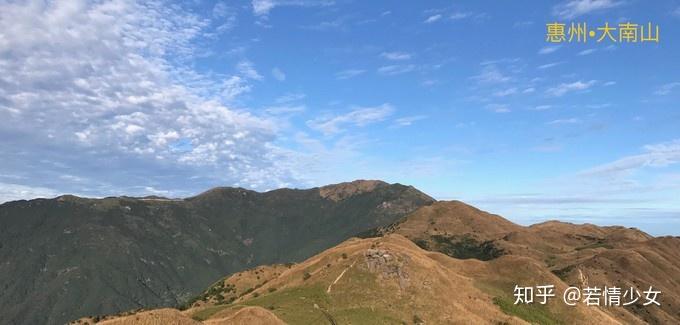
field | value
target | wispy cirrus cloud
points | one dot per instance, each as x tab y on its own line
505	92
278	74
349	73
443	15
549	49
564	88
491	74
653	156
263	7
667	88
247	69
408	120
458	15
433	18
587	52
358	117
499	108
285	109
396	56
290	97
541	107
396	69
225	17
572	120
575	8
549	65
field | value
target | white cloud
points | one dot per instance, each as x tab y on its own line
459	15
337	23
360	116
654	155
505	92
549	65
290	97
667	88
564	121
522	24
499	108
599	106
587	52
13	192
549	49
435	15
92	88
282	110
247	69
541	107
395	56
491	74
220	9
233	87
408	120
349	73
433	18
391	70
278	74
575	8
225	17
565	88
263	7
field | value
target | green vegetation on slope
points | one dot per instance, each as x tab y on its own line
462	247
532	313
69	257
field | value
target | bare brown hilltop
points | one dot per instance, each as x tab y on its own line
578	254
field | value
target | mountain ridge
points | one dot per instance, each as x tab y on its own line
119	253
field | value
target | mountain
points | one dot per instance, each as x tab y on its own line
579	255
447	262
387	280
68	257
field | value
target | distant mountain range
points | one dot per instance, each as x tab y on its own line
69	257
364	252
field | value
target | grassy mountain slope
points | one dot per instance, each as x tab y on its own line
579	255
387	280
452	263
68	257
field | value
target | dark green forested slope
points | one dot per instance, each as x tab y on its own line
67	257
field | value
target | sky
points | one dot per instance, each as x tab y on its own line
464	100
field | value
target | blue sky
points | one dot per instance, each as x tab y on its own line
464	100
